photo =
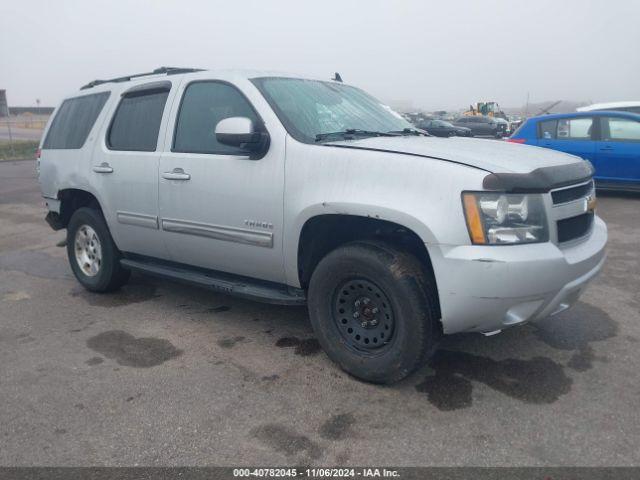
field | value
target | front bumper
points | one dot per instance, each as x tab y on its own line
488	288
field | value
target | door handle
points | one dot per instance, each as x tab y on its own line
104	167
606	147
176	174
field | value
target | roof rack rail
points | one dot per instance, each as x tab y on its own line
157	71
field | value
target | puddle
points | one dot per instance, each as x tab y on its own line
130	351
576	330
538	380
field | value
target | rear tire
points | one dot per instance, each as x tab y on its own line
357	279
93	256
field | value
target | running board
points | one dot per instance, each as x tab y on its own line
260	291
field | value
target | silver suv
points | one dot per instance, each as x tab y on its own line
290	190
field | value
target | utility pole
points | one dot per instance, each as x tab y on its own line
13	153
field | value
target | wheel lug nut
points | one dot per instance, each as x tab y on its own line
366	301
357	303
374	322
375	310
364	324
356	314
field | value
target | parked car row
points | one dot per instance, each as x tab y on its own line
484	126
610	140
440	128
467	126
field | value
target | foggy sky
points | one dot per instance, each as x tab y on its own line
442	54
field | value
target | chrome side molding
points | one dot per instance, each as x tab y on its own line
138	219
228	234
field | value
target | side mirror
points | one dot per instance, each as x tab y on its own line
241	132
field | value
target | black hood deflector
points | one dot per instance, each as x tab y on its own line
540	180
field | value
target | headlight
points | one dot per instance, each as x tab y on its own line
505	218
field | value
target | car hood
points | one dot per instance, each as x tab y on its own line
490	155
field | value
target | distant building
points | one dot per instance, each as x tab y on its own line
31	110
5	110
4	106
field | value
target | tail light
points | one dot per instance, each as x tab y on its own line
38	152
516	140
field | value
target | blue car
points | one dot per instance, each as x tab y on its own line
610	140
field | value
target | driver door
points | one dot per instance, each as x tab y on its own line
219	209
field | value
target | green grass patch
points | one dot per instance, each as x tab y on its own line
18	149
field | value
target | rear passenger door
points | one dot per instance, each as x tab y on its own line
219	208
125	168
617	155
571	135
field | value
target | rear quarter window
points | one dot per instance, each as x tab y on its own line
73	121
548	129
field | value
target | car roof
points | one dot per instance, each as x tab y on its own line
122	84
598	113
605	106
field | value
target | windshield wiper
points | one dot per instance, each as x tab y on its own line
355	131
411	131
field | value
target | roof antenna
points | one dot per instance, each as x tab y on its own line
337	78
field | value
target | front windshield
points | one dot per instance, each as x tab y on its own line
311	109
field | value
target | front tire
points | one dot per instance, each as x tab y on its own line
374	311
93	256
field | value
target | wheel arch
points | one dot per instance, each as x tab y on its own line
71	199
322	233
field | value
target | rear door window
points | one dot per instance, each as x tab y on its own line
616	129
136	123
74	120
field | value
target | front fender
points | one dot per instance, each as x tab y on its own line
294	231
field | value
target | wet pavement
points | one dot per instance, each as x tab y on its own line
166	374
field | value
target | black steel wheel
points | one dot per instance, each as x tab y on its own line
374	310
363	314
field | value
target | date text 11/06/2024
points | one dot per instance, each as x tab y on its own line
316	472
